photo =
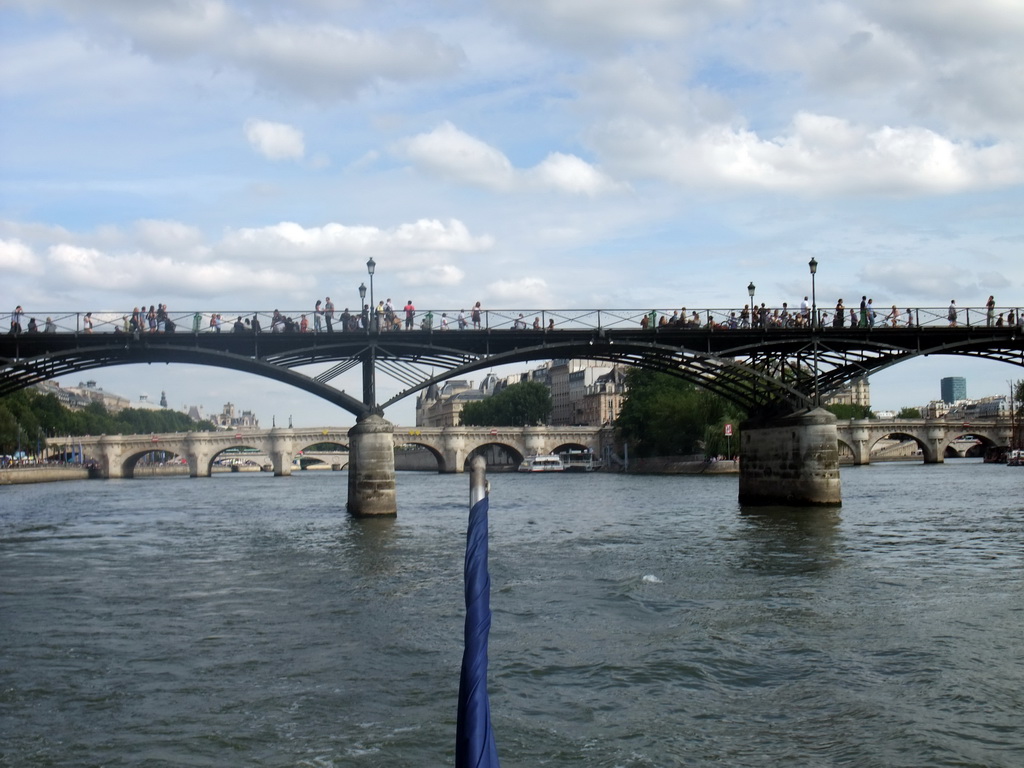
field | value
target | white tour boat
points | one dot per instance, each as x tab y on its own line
542	463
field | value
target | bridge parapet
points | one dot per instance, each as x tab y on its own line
205	321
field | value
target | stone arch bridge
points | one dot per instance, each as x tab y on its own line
117	455
933	436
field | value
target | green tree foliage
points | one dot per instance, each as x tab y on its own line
663	415
907	412
525	404
847	411
35	415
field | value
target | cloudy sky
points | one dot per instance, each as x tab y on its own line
239	154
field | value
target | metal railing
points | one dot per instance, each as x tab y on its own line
305	321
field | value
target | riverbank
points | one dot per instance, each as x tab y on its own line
669	465
23	475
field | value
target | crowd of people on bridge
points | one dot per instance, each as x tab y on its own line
387	317
865	316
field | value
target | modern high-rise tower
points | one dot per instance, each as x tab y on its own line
953	388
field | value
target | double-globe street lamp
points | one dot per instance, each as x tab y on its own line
363	314
371	265
369	361
813	264
815	326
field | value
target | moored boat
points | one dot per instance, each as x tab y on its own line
542	463
580	461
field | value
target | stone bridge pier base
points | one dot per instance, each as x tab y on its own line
371	468
198	456
281	452
931	448
791	461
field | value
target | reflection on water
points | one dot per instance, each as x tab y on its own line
785	540
247	620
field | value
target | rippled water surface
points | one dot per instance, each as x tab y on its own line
245	620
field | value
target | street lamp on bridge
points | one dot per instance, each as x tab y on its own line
362	306
813	265
371	265
369	360
750	292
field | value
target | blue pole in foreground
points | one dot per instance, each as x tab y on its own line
474	738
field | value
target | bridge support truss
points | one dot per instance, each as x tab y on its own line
791	461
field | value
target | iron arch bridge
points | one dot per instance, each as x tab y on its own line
765	369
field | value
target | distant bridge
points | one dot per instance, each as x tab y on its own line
117	455
934	437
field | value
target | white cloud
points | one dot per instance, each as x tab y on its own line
15	256
451	154
526	291
571	174
819	153
454	155
335	242
275	141
170	237
319	59
443	275
592	24
128	274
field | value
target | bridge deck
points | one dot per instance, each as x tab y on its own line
752	366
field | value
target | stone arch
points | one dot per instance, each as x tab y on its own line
169	454
234	451
846	452
412	463
322	457
922	446
492	451
984	443
571	446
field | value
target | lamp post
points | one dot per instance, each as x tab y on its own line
813	265
362	306
753	309
371	265
370	358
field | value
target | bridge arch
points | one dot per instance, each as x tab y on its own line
985	440
438	455
571	446
130	461
306	455
493	452
909	436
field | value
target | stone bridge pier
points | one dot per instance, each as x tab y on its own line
791	461
200	455
371	468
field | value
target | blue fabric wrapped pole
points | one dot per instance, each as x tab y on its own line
474	738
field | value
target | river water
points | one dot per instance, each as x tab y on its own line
245	620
